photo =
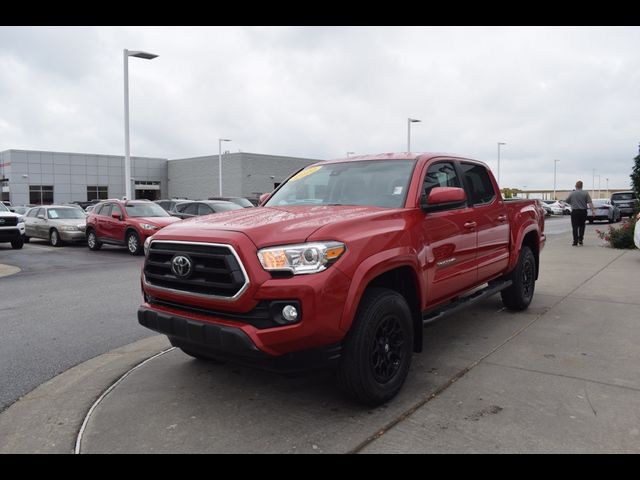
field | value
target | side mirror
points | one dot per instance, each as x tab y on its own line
41	217
12	210
263	198
443	198
116	215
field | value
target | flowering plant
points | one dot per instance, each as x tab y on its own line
619	237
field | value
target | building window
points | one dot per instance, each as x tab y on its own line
41	194
95	192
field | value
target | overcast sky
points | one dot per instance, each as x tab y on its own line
567	93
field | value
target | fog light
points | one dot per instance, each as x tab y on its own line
290	313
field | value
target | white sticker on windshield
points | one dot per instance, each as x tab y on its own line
397	191
53	214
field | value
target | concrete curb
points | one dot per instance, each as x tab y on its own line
47	420
6	270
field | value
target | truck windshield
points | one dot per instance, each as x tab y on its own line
3	208
379	183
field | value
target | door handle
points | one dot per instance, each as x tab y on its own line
502	218
470	225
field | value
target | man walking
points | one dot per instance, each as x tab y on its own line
579	199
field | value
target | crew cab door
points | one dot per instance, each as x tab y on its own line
492	221
448	239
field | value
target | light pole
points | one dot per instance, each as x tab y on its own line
593	184
499	145
220	140
607	179
598	185
127	159
555	164
409	122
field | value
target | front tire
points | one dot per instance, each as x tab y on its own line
133	243
26	239
377	350
92	241
54	238
17	244
519	295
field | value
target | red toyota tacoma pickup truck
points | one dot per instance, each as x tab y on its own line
342	265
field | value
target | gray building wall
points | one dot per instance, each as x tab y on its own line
71	173
243	174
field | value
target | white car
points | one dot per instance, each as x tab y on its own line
636	232
11	227
604	211
557	207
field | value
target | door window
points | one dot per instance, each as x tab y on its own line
441	174
478	183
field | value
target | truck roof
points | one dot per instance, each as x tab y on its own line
396	156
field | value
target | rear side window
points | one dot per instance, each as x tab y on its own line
191	209
204	209
441	174
478	183
180	208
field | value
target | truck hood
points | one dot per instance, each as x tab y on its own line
267	226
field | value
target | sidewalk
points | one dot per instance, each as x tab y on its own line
561	377
6	270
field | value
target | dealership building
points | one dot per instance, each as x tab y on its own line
42	177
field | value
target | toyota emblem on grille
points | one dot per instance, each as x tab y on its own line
181	266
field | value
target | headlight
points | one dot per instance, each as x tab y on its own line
147	242
20	219
69	228
148	226
301	259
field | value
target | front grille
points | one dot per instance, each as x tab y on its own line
215	269
8	221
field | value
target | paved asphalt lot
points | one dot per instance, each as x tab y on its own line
66	305
561	377
69	304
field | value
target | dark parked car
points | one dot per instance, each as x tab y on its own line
243	202
203	207
625	201
170	205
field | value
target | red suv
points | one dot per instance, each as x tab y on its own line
126	223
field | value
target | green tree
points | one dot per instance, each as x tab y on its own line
635	176
506	193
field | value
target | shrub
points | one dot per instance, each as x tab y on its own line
620	237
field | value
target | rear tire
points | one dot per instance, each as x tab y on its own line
92	241
377	350
519	295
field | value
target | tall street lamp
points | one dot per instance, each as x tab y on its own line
593	184
555	164
598	185
499	145
220	140
409	122
127	158
607	194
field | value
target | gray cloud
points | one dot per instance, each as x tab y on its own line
548	92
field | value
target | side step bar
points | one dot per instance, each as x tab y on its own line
464	302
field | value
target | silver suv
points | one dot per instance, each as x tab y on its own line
625	201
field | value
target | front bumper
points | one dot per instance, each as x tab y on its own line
9	234
72	236
232	344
